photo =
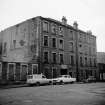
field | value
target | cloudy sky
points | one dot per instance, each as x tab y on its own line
90	14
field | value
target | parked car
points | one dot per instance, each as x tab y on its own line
64	79
90	79
38	79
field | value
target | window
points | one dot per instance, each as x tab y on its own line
54	57
54	42
85	61
94	62
61	44
86	49
90	62
24	72
80	37
53	28
60	30
72	60
45	40
71	46
45	26
61	58
71	35
0	48
81	48
81	63
34	68
45	57
0	70
5	48
54	72
14	43
33	48
11	71
80	45
43	76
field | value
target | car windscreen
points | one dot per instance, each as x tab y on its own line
60	76
29	77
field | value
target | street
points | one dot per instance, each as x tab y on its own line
68	94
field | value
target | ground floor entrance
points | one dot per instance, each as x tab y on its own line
63	71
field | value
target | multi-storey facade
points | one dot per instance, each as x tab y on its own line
44	45
87	57
101	65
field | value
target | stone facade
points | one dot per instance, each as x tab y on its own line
44	45
101	65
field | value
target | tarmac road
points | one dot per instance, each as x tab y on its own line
69	94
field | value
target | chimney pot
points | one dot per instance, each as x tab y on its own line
75	25
64	20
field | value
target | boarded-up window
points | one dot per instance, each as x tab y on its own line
35	68
24	69
17	72
11	71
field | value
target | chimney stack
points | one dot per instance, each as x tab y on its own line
89	32
75	25
64	20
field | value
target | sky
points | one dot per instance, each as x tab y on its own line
90	14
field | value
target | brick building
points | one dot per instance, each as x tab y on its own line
44	45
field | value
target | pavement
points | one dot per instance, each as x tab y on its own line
22	85
12	86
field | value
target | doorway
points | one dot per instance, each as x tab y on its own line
63	71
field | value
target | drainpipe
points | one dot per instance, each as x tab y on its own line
75	25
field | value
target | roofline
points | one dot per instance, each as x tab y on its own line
52	20
67	25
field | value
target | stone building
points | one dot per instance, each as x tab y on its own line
101	65
44	45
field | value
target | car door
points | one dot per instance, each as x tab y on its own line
65	79
69	79
44	80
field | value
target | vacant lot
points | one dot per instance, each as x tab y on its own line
70	94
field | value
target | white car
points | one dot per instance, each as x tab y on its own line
38	79
64	79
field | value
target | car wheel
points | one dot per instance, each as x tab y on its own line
61	82
72	82
50	82
30	85
38	84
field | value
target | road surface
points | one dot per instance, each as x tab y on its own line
69	94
